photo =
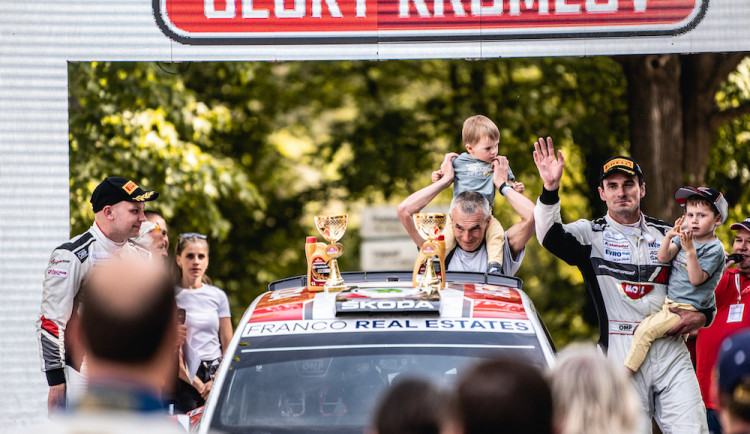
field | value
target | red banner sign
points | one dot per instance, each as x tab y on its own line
361	21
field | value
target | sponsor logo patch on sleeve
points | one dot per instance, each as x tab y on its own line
57	272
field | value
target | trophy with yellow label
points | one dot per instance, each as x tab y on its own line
430	226
332	228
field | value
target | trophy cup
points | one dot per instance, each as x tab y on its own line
429	226
332	228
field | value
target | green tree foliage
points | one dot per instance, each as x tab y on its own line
729	162
248	152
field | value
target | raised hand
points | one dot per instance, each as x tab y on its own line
550	167
677	228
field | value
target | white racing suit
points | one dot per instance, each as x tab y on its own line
627	283
66	271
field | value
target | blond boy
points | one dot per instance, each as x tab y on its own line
473	171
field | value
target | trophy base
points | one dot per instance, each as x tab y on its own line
429	288
335	286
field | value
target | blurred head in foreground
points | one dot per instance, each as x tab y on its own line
127	324
501	396
593	395
411	406
733	371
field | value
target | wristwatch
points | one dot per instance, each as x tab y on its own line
502	187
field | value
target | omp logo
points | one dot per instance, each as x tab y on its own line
636	290
386	305
625	327
369	21
82	254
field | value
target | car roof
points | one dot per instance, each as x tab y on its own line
482	298
466	295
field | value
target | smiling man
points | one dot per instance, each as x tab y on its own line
118	213
617	257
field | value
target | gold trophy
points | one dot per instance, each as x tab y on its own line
332	228
429	226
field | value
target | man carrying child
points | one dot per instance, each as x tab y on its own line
474	239
697	258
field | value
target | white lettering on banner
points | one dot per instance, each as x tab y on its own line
376	325
249	12
597	8
333	7
361	8
477	9
515	6
297	12
209	9
561	7
403	8
458	8
280	10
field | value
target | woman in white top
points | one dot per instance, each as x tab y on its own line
207	317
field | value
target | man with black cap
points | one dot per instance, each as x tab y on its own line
732	298
617	257
118	205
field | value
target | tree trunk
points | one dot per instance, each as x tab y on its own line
656	136
673	120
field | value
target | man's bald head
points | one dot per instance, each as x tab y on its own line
128	310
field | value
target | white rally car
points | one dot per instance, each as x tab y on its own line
303	361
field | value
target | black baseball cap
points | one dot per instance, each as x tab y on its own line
116	189
621	164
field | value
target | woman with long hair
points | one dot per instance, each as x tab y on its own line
207	317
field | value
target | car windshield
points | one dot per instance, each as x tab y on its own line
331	382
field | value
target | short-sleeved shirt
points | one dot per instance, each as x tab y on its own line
203	308
475	175
711	258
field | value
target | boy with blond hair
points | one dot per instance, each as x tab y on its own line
473	172
697	258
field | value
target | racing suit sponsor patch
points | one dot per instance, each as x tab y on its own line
636	291
57	272
82	254
616	248
622	327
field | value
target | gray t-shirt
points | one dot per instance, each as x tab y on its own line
475	175
711	259
477	260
